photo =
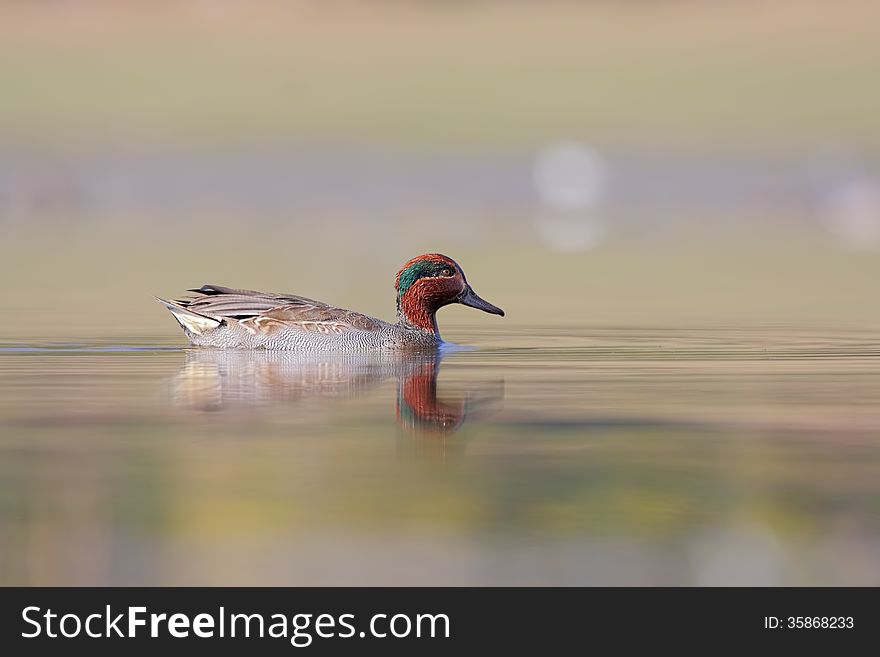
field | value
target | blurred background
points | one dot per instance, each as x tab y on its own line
677	202
672	161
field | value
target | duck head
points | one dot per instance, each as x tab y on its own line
427	283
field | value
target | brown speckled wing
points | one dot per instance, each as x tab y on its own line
320	316
221	301
266	312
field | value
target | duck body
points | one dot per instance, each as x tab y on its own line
229	318
243	319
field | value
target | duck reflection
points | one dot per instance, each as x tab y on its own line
213	380
419	410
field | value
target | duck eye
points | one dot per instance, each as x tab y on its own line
446	271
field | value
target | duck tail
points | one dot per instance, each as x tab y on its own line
189	320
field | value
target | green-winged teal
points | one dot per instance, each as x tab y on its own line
242	319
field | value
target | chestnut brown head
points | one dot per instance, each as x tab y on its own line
427	283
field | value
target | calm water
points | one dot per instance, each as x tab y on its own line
547	456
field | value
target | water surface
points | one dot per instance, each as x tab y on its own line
548	455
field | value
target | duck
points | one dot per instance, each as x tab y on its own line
229	318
